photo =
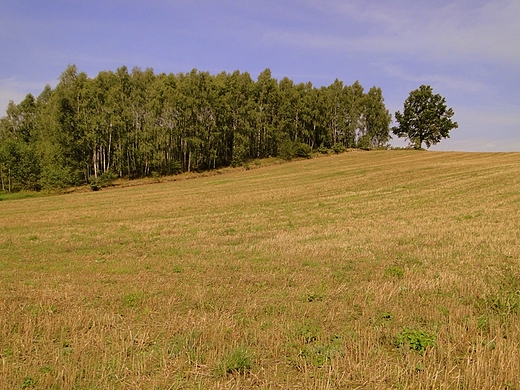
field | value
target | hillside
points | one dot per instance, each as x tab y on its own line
383	269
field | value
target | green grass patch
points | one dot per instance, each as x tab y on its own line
415	340
239	360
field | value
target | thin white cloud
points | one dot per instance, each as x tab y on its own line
443	81
16	90
492	129
491	117
426	31
489	33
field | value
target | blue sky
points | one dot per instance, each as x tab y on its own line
467	50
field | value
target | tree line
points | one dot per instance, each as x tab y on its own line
137	123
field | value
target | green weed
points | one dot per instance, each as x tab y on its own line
394	271
414	339
239	360
318	354
133	299
28	382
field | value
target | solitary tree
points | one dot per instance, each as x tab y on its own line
425	118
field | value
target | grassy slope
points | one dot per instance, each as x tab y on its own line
298	275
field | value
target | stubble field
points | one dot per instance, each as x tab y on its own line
366	270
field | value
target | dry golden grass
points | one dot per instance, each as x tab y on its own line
301	275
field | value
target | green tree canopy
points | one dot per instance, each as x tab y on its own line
137	123
425	118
